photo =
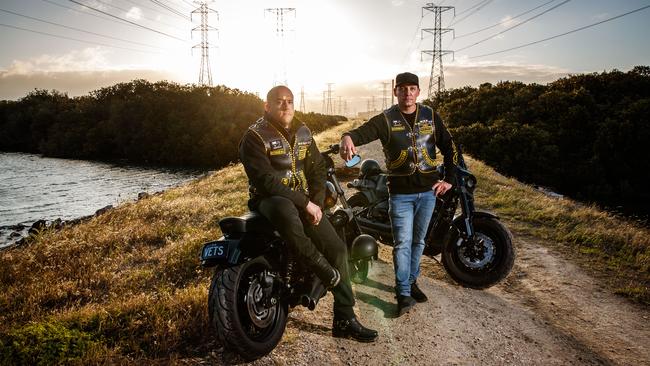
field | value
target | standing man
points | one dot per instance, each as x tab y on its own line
287	175
409	133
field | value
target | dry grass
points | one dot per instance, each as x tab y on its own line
617	247
127	287
129	280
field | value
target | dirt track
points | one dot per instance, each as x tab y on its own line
547	312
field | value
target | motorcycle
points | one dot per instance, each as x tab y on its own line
257	278
476	247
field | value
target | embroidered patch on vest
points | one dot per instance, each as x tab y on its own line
396	125
302	152
276	147
426	128
276	144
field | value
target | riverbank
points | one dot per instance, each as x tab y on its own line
35	190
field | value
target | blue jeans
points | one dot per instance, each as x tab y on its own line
409	216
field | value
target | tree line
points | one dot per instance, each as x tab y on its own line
160	123
584	135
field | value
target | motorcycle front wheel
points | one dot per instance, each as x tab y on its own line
486	261
245	320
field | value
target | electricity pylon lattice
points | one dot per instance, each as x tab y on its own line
330	105
281	28
205	75
302	100
437	79
384	101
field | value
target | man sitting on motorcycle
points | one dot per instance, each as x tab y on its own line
287	175
409	133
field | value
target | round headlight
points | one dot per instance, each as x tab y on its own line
471	182
331	197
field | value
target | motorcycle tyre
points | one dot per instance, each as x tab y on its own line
359	270
358	200
479	279
226	309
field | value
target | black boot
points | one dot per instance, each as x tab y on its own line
404	304
351	328
417	294
328	274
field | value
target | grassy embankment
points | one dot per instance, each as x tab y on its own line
127	286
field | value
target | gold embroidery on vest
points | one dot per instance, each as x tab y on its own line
399	161
427	158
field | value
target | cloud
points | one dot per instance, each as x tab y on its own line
92	58
134	13
507	21
397	2
74	83
465	72
462	72
76	73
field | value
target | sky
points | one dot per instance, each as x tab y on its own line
354	45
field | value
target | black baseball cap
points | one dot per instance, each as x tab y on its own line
407	78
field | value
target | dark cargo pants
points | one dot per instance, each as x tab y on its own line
307	240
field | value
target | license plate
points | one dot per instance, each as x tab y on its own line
214	250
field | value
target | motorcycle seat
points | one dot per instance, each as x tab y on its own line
252	221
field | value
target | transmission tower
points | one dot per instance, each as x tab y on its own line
280	33
437	79
205	75
330	105
384	102
302	99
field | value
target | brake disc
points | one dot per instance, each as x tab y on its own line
479	257
260	315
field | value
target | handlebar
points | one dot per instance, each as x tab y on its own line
334	149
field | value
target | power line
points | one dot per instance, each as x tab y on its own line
156	9
485	3
505	21
188	3
128	21
170	9
78	40
471	7
562	34
417	28
83	12
514	26
143	17
78	29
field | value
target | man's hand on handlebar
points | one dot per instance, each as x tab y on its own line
347	149
441	187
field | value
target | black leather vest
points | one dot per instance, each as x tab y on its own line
410	149
288	161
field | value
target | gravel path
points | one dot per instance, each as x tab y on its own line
547	312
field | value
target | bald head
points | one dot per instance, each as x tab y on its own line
279	105
271	95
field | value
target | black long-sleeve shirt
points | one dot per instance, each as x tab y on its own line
377	128
257	165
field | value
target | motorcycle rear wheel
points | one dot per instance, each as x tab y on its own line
495	263
237	311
